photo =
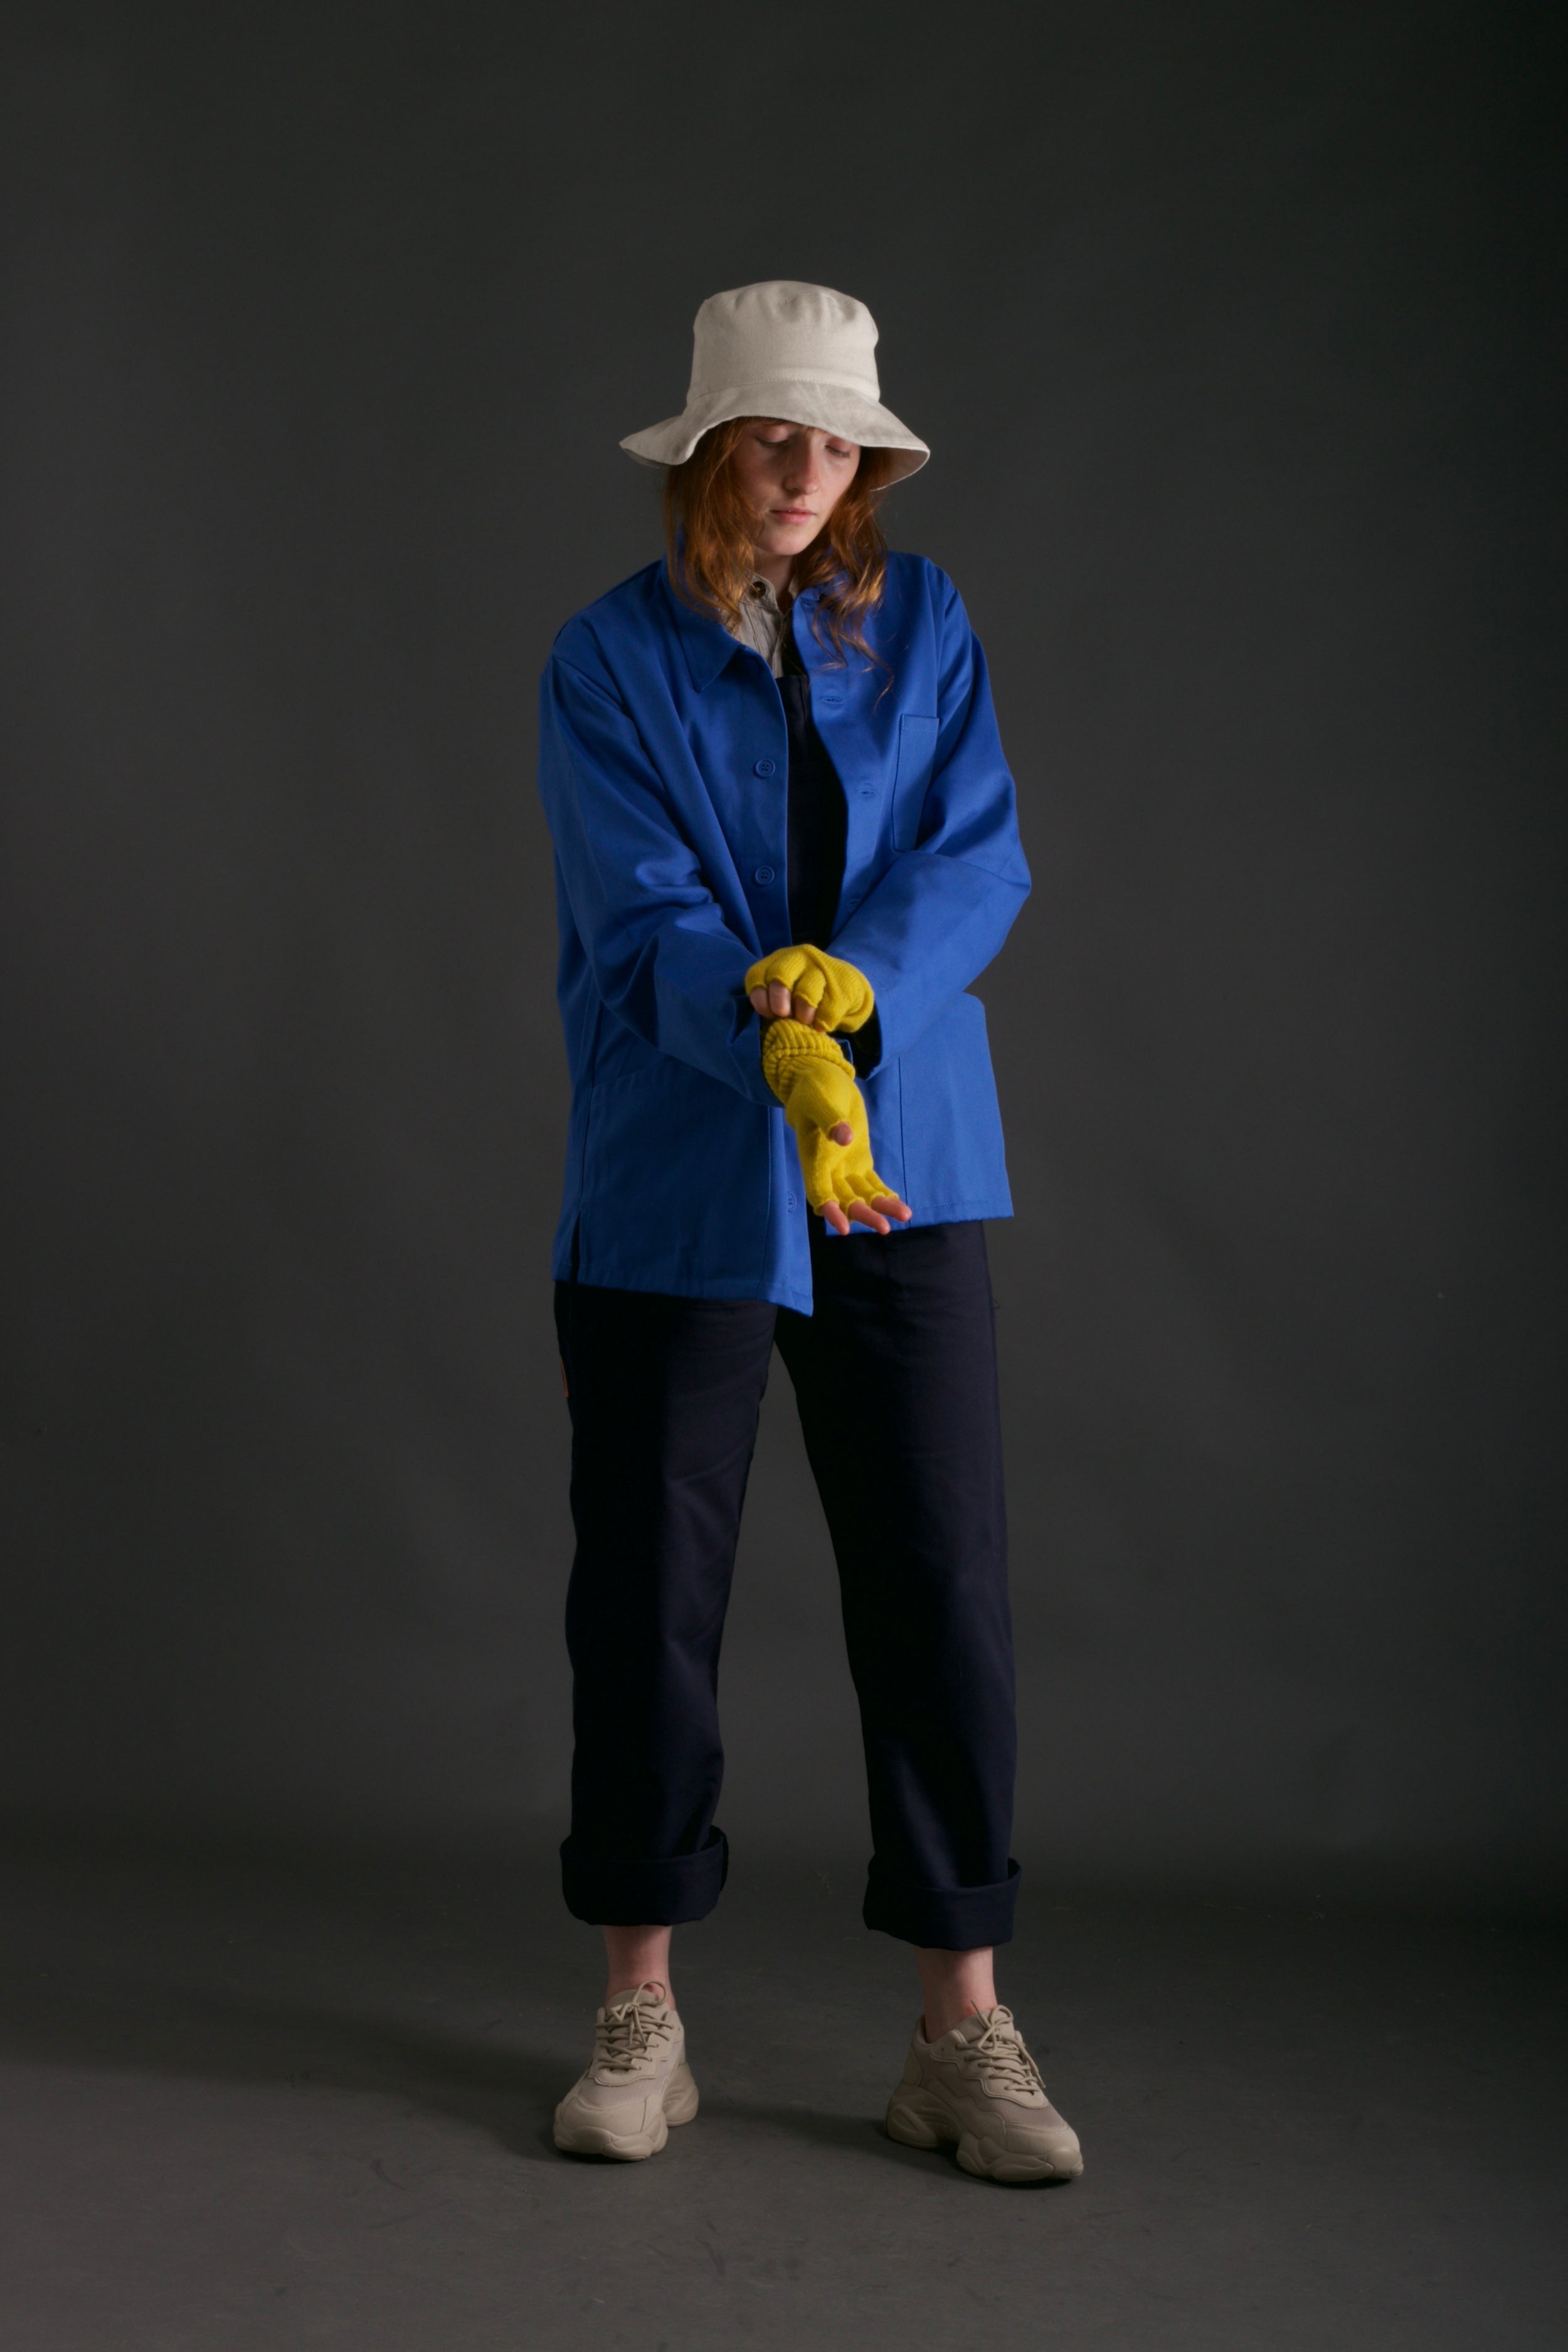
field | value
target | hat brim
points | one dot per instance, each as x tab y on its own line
831	408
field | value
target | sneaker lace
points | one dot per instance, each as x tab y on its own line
629	2031
1005	2055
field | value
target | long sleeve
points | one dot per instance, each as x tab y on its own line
941	912
663	957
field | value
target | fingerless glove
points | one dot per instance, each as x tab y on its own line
842	996
818	1089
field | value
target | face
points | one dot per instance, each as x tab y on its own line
793	476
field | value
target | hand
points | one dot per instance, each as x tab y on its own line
776	1003
808	985
827	1112
874	1214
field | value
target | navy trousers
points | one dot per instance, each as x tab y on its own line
895	1378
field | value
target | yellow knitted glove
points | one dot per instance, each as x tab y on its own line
818	1089
842	996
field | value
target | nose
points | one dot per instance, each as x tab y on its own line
801	473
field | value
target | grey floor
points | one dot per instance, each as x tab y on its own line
265	2101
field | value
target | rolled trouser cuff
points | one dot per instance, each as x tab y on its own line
948	1918
609	1891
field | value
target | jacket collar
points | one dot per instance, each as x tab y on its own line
706	643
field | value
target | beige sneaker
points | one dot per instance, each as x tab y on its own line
634	2086
980	2086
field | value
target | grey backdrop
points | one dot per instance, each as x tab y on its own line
1230	329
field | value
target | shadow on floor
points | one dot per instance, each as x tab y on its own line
121	2023
1271	2098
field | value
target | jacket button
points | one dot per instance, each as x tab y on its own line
763	873
763	768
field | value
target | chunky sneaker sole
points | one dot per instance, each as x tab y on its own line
636	2084
578	2135
922	2120
976	2087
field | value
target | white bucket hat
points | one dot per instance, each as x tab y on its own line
783	349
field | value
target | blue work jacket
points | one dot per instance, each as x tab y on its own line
664	772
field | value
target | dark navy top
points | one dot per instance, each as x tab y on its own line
818	820
818	829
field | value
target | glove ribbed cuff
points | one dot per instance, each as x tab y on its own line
792	1041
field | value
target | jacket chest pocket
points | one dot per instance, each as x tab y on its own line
916	751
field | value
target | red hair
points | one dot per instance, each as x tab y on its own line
709	539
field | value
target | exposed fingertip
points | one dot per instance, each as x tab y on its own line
891	1206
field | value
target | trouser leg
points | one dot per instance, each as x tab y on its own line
895	1373
664	1395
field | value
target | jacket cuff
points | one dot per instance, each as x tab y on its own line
746	1053
865	1045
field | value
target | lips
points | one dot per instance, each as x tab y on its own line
795	514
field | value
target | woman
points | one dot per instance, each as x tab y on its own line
786	843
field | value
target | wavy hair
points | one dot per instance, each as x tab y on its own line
709	541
